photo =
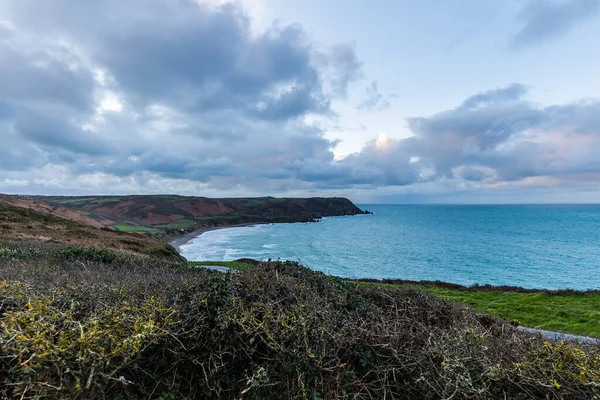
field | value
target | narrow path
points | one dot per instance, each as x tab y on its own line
557	336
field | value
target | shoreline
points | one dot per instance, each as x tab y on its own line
180	241
554	336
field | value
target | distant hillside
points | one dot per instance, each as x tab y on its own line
56	210
35	224
171	213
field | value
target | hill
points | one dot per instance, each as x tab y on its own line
178	214
37	224
56	210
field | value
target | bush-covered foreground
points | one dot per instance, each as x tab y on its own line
83	324
566	311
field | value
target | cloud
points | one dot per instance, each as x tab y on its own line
174	90
512	92
176	96
495	137
544	20
374	100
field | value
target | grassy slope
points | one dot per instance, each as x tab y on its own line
234	265
576	312
192	213
21	225
134	228
566	311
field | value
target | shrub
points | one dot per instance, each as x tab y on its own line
278	330
53	350
87	254
19	252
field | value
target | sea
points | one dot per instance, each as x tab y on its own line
531	246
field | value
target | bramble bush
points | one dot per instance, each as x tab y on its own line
136	328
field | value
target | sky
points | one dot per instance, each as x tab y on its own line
464	101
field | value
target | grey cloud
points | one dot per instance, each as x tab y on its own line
582	117
46	77
547	19
276	174
373	99
346	67
512	92
491	137
206	102
514	138
200	57
291	104
203	98
20	156
473	174
49	133
376	166
460	136
166	164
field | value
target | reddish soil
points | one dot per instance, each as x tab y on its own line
35	222
157	219
117	209
204	207
62	212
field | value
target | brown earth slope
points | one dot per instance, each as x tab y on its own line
180	213
26	224
56	210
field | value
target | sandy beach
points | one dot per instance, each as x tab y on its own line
177	243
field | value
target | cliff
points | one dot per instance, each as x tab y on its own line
178	214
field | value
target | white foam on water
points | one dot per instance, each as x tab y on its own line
218	244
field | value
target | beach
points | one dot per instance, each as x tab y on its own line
180	241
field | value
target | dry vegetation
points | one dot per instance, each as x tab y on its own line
20	224
85	323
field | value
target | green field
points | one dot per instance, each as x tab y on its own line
238	266
572	312
255	202
179	224
569	312
134	228
88	200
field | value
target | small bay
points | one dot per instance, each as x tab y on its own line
532	246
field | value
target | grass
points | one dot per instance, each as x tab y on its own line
218	217
565	311
568	312
255	202
235	265
179	224
21	227
80	201
134	228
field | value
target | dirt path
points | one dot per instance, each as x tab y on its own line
557	336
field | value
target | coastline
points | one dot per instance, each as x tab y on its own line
553	336
180	241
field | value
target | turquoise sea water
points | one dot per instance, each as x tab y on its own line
533	246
